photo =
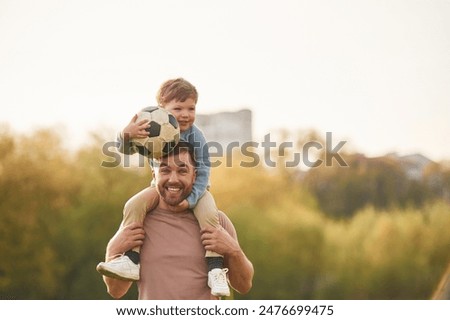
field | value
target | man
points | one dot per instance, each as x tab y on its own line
173	246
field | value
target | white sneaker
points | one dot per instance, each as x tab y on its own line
120	268
217	281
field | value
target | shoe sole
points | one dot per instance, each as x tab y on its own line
220	293
113	275
217	294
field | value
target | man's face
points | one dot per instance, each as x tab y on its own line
175	178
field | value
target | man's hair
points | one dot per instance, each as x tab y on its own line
182	146
178	89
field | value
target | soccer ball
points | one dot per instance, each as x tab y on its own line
163	133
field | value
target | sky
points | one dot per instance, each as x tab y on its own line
374	73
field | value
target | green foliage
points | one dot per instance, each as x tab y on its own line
300	253
378	182
387	255
59	209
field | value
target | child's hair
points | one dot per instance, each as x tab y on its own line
178	89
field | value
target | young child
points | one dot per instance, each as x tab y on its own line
179	97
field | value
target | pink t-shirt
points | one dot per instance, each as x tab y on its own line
173	264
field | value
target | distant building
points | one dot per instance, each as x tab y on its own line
413	164
226	127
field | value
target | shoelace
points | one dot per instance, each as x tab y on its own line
221	276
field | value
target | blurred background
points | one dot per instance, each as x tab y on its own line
374	74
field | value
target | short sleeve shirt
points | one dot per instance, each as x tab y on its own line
173	264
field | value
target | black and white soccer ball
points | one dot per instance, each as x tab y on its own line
163	133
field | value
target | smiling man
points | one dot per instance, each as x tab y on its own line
176	175
173	245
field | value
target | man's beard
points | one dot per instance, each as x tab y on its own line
173	198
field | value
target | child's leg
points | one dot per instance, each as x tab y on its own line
207	215
137	207
126	266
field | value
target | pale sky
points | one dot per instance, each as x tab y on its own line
375	73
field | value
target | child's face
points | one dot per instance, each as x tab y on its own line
184	112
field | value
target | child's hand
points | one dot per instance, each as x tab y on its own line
135	129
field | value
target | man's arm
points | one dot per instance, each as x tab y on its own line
240	269
125	239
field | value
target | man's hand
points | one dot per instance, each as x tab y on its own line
240	271
135	130
219	240
126	238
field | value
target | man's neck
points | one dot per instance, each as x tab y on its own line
167	207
